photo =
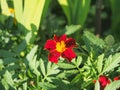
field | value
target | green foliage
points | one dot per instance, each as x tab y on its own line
113	86
112	62
24	63
72	29
115	18
97	85
75	11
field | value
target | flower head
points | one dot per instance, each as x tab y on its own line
116	78
60	46
103	80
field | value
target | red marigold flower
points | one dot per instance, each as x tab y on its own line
103	80
116	78
60	46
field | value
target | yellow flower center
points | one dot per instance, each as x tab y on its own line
11	10
60	46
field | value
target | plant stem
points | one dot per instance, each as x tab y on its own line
98	17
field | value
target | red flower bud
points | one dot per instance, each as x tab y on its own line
103	80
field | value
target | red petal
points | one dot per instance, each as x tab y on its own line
50	45
60	38
68	54
53	56
70	43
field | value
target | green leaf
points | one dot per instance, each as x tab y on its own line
65	6
49	64
115	14
75	11
10	68
31	54
77	61
109	40
77	79
66	65
82	10
32	13
42	67
4	53
9	60
8	79
111	62
4	7
90	38
20	47
67	73
53	70
61	84
33	64
97	85
47	86
113	86
18	6
72	29
100	63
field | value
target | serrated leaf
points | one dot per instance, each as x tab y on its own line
34	65
53	70
31	54
10	68
97	85
49	64
66	66
90	38
113	86
67	73
8	79
77	61
111	62
61	84
77	79
42	67
100	63
46	85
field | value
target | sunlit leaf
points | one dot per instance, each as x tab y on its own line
42	67
47	86
8	79
77	61
53	70
113	86
100	63
97	85
66	65
111	62
72	29
31	54
33	64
